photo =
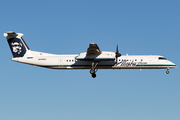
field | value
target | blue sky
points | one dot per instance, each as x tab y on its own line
141	27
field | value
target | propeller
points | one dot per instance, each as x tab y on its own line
117	54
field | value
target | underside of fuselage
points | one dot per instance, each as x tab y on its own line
108	67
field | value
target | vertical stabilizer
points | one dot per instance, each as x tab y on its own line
17	45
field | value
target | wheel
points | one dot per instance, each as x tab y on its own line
167	72
93	75
92	71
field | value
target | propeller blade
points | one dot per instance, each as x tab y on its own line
117	49
117	52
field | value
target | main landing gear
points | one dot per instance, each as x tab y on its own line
93	73
93	70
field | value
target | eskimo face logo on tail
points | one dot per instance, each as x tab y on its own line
17	47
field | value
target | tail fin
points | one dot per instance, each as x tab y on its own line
16	43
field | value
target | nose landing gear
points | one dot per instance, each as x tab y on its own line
167	72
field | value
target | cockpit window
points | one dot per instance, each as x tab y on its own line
162	58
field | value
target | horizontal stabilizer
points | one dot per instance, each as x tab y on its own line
12	34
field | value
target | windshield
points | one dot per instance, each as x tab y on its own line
162	58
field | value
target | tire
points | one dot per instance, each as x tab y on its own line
93	75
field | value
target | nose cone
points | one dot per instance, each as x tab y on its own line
173	65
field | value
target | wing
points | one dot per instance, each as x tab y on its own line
95	54
93	49
92	53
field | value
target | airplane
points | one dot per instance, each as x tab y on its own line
93	59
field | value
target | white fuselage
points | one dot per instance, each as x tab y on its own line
92	59
70	62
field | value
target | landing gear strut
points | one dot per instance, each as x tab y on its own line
167	72
93	71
